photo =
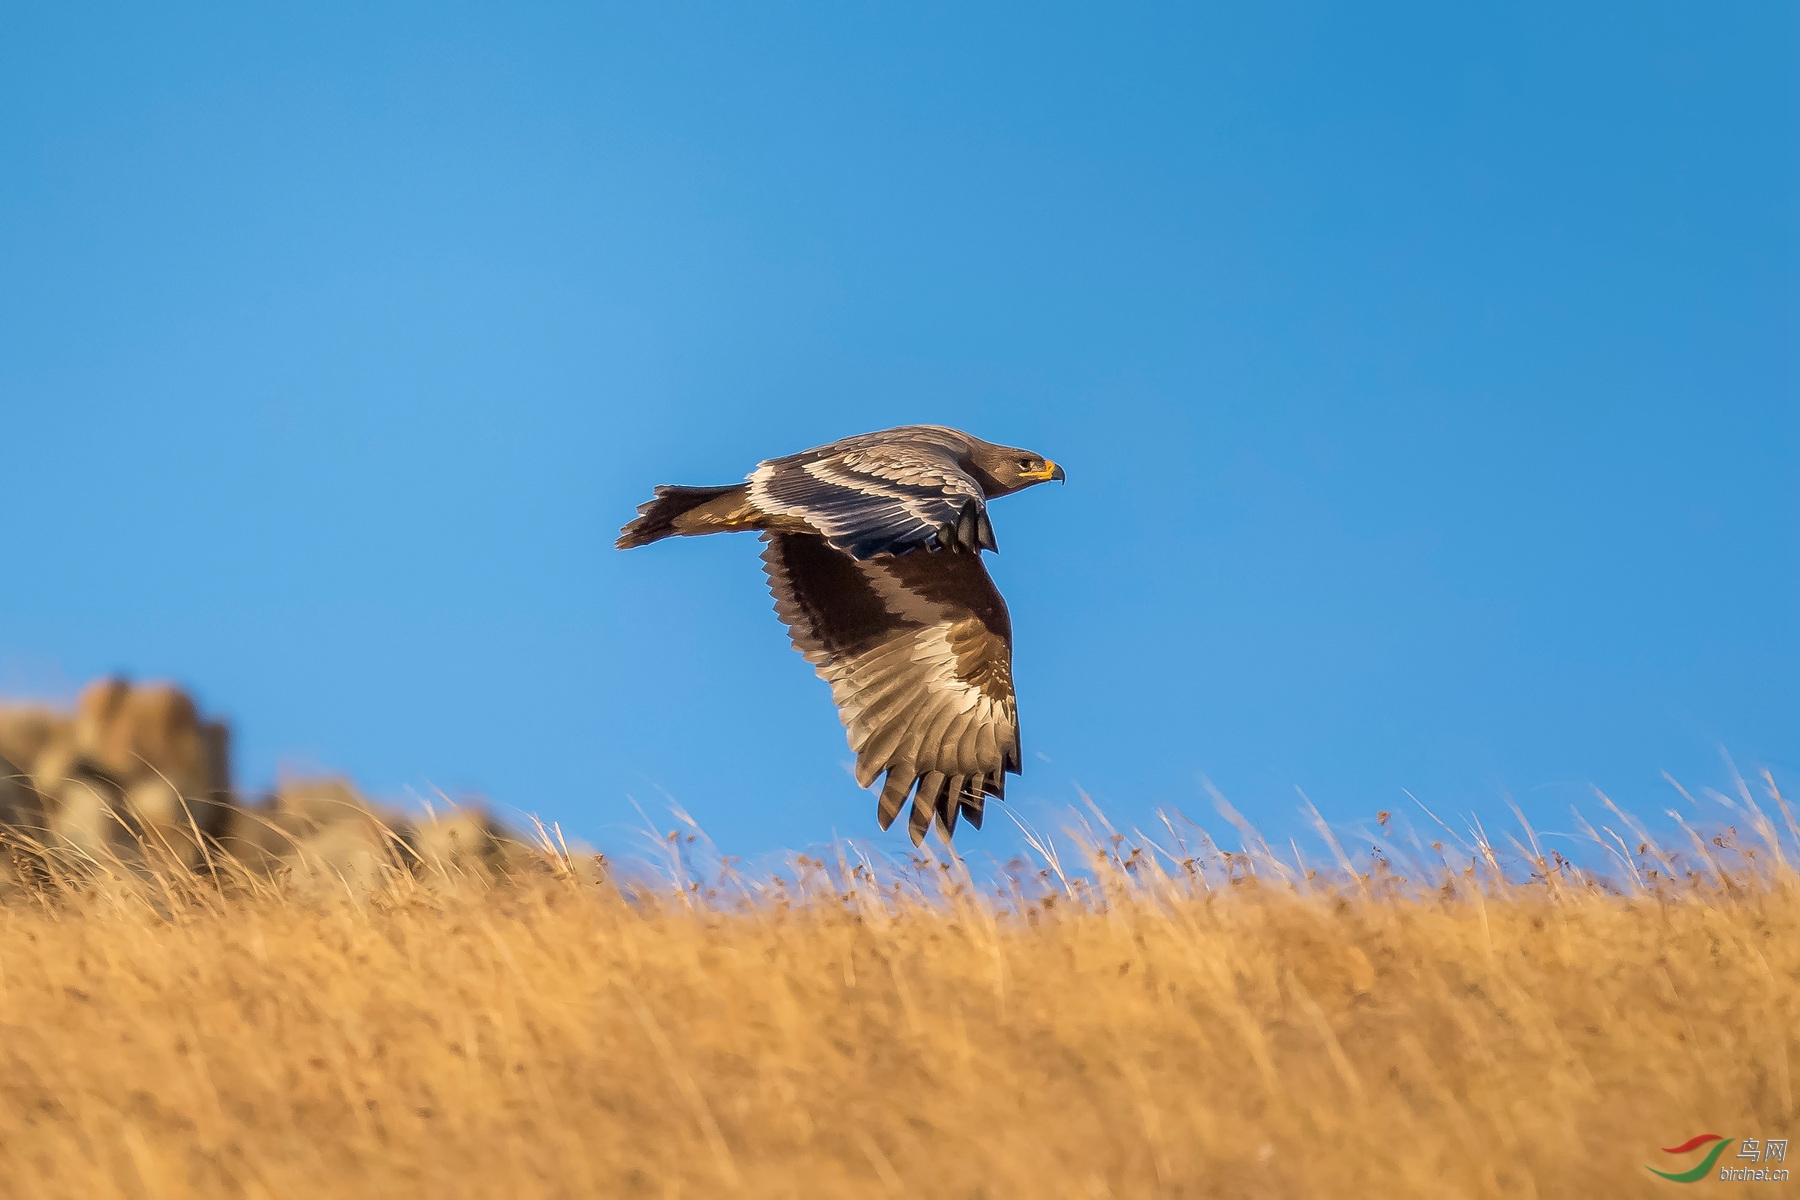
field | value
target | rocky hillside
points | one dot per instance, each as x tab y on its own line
136	779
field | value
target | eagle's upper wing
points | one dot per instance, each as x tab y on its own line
917	649
877	493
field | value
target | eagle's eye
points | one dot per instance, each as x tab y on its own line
1026	464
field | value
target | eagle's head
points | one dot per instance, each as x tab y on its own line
1002	470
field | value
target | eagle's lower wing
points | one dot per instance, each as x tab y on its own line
873	497
917	649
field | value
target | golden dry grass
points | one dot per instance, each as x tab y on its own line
1152	1031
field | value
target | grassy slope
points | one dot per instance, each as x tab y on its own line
1144	1036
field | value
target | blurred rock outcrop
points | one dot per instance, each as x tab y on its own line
136	779
132	776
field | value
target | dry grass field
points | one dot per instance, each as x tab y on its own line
1173	1022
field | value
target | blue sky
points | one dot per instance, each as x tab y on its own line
1424	375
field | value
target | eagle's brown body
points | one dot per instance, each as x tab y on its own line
874	559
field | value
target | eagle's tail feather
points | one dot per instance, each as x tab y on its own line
682	511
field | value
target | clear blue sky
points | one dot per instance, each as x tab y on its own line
1424	374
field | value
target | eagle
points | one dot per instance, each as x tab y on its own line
873	554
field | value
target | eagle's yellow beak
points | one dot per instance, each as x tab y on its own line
1048	471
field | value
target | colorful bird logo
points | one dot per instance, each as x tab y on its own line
1706	1164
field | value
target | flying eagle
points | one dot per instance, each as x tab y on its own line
874	558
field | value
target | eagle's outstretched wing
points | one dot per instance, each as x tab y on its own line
879	493
917	649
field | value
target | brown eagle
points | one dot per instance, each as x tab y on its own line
874	558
